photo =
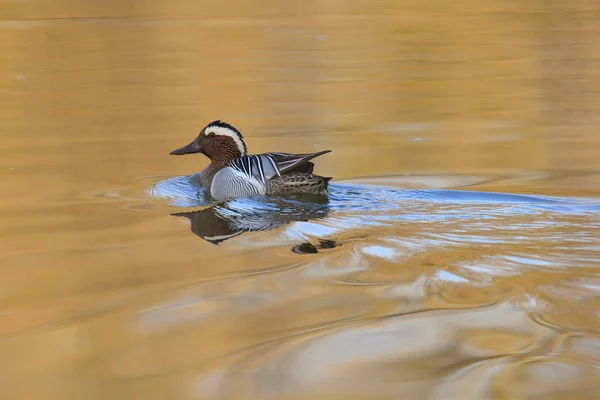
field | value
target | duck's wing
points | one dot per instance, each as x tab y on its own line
265	166
262	167
287	162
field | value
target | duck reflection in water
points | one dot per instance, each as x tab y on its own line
224	221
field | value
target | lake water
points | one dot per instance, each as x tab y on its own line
457	255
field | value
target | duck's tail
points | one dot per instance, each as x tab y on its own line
297	182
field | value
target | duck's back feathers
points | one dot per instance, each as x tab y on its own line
287	162
306	168
265	166
262	167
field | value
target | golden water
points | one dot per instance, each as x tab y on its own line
413	295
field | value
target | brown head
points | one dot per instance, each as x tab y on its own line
217	141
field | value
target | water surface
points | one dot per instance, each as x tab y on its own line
455	257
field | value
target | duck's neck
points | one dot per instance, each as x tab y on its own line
216	164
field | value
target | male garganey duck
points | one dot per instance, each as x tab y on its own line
233	173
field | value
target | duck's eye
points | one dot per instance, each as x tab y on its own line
212	134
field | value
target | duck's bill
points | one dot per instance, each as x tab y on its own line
188	149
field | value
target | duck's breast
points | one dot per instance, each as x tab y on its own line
230	183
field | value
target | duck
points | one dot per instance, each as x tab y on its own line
233	173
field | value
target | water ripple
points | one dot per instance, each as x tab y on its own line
414	293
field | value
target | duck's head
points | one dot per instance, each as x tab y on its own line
217	140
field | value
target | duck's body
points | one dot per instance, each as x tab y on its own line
232	173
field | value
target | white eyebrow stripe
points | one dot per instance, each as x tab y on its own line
223	131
